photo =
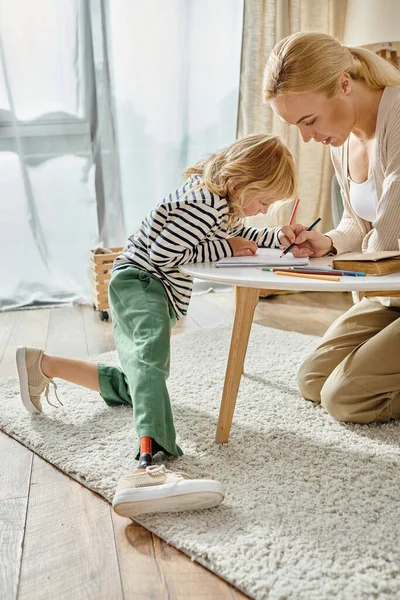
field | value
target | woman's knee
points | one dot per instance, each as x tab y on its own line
309	379
339	399
335	392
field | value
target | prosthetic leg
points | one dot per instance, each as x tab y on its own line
146	453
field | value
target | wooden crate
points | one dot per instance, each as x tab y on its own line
101	262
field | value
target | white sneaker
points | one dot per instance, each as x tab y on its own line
155	490
32	381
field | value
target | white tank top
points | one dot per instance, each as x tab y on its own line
363	199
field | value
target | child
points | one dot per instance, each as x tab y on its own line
198	222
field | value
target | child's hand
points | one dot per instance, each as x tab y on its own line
308	243
242	247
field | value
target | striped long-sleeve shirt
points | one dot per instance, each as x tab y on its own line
190	225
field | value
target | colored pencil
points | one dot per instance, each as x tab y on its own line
292	216
315	271
307	275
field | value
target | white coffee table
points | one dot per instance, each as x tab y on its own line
248	281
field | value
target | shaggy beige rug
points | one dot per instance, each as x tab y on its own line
312	505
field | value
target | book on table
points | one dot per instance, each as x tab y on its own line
265	257
371	263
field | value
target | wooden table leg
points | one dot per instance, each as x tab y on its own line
246	302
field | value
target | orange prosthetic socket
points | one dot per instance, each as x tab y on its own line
146	445
146	452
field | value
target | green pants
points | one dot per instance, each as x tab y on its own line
142	320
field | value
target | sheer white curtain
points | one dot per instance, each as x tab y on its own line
175	70
48	215
102	104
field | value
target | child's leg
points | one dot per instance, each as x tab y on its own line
87	374
142	321
37	370
81	372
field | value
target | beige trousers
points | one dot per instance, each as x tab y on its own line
355	371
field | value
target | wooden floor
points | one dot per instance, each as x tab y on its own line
60	541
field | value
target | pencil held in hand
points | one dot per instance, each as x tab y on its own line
289	248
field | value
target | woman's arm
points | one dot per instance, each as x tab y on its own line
347	237
386	228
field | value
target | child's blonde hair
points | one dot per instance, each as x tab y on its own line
257	163
314	62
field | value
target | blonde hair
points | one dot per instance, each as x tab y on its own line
314	62
257	163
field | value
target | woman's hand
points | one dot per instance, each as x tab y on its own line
308	243
242	247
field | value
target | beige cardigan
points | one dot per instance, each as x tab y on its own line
353	233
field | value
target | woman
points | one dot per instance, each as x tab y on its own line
349	99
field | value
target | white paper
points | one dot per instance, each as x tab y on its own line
265	257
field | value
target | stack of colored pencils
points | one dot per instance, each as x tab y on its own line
313	272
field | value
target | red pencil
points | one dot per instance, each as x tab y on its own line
292	216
